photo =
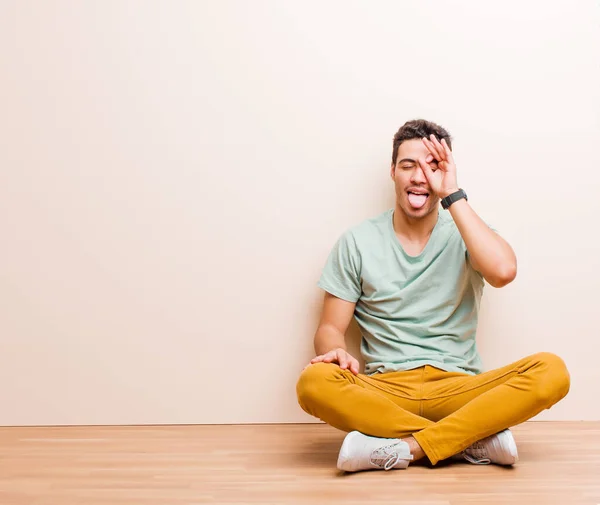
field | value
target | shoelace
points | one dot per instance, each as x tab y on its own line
480	461
385	457
477	454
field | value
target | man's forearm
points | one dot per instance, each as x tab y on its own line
490	254
328	338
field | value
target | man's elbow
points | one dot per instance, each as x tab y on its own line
503	277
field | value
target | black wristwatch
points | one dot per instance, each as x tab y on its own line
453	197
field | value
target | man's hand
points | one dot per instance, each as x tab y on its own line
442	174
345	360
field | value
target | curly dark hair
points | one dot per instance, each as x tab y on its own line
417	129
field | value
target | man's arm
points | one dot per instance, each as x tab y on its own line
489	253
335	319
330	337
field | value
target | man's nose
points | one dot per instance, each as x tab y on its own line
418	176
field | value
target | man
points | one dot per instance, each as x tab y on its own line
413	278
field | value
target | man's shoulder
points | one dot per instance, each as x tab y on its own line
367	228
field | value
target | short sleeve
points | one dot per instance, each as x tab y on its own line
341	274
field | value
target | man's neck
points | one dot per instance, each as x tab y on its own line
415	230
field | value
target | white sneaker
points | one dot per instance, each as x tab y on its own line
361	452
500	449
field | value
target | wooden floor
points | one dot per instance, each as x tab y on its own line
278	464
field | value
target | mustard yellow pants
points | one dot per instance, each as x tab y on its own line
444	411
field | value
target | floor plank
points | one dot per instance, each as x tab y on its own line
278	464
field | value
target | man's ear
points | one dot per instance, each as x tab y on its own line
392	170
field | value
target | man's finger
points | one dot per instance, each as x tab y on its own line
449	156
426	169
354	367
342	361
430	148
438	146
439	149
446	148
329	357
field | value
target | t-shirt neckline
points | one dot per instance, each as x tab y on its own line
399	245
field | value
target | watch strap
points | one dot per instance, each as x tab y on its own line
453	197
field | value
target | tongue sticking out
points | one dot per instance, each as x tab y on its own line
417	201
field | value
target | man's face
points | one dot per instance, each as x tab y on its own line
413	194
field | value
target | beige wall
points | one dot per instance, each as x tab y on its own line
174	174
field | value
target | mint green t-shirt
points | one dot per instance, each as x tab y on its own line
411	310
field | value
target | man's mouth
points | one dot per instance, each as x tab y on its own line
417	199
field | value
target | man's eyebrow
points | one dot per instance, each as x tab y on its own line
410	160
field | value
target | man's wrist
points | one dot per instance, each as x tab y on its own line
449	192
452	198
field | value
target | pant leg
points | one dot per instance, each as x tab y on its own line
364	403
473	407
